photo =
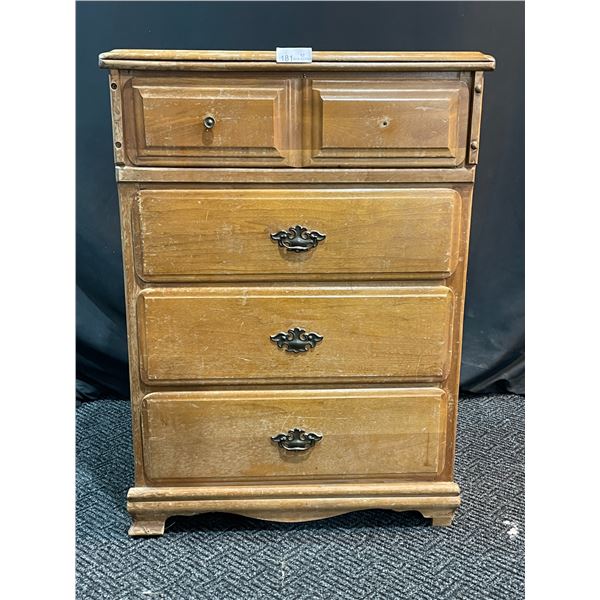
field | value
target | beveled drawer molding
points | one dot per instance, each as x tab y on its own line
199	122
227	234
295	245
223	335
233	435
402	123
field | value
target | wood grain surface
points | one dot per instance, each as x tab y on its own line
225	234
317	56
253	121
223	335
253	60
198	436
402	123
266	121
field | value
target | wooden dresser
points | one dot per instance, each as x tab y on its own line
295	244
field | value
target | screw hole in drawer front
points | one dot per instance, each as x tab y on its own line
351	123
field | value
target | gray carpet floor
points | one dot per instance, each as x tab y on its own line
370	554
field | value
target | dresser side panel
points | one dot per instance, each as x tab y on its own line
457	282
127	196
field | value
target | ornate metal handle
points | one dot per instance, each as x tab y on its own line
298	238
296	440
296	340
209	122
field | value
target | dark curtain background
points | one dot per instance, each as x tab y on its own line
493	350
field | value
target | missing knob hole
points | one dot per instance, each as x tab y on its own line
385	124
118	144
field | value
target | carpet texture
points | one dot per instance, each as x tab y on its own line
372	554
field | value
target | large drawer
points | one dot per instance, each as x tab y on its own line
294	334
192	121
386	122
221	435
241	234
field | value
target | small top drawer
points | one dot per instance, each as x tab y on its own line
208	121
386	123
294	121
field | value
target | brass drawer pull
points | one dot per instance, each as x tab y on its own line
296	340
296	440
209	122
298	238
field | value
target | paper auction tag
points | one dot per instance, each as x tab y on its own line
294	55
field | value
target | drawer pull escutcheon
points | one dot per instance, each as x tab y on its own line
296	340
298	239
296	440
209	122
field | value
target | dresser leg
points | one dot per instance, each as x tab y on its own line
439	518
147	526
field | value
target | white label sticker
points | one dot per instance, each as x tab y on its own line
294	55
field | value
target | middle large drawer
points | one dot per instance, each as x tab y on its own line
273	334
292	234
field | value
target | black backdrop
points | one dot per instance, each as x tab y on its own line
493	348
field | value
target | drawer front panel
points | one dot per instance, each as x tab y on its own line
227	435
204	122
224	335
404	123
195	235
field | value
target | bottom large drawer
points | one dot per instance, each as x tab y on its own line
228	435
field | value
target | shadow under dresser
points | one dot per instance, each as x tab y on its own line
295	241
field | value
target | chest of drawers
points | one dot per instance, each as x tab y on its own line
295	245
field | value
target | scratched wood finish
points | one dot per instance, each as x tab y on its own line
268	56
295	121
169	257
350	177
225	234
221	335
365	433
253	121
476	117
150	506
166	66
402	123
253	61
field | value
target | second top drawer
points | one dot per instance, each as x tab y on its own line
296	234
386	123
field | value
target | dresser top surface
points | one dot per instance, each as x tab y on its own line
148	59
